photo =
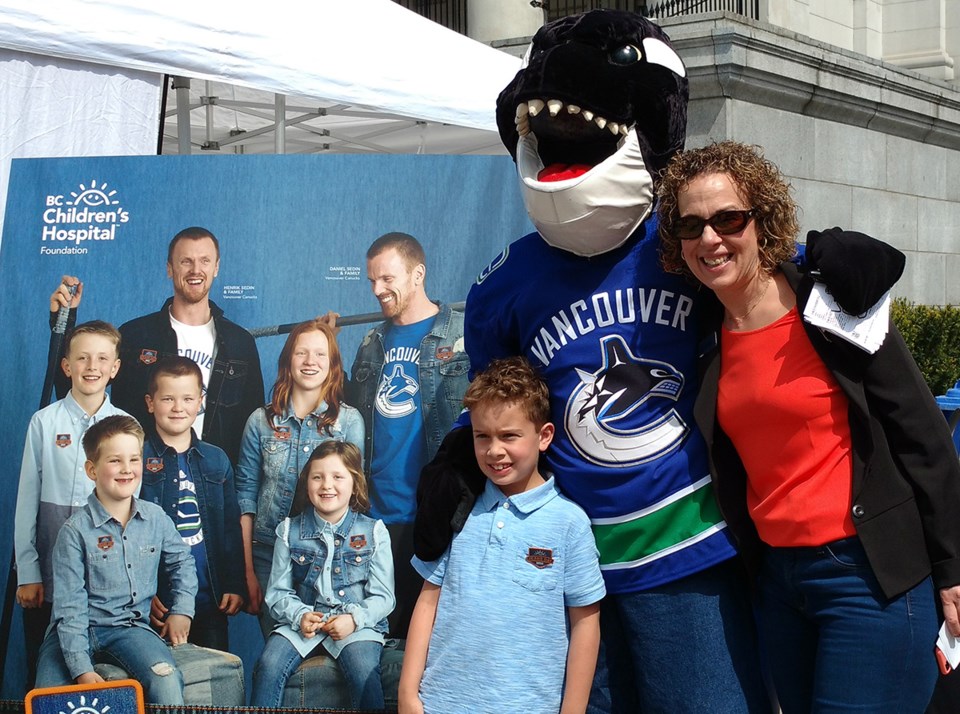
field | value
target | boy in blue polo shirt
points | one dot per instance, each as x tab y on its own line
523	567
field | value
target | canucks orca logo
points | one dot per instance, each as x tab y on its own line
395	394
616	416
496	263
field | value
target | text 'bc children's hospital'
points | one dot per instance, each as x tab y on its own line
90	214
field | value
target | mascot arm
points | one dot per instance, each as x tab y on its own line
451	482
448	487
858	270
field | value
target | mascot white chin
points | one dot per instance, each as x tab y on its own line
596	112
594	212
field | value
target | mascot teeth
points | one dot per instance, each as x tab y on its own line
555	107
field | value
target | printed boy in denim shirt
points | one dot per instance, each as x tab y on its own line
192	480
105	574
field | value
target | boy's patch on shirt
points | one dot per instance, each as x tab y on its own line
154	464
63	440
444	352
540	557
358	541
281	432
148	357
105	542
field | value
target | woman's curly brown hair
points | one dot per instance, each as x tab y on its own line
757	180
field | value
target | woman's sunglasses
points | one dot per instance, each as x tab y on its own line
724	223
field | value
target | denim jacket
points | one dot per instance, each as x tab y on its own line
105	574
356	578
272	457
212	476
444	377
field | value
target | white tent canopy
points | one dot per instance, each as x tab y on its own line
85	77
371	53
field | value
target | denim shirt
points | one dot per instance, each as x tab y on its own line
444	377
272	457
333	569
212	476
105	574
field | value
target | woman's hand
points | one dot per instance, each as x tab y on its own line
950	599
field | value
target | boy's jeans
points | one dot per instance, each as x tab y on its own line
139	651
359	662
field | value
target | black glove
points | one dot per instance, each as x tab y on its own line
856	268
448	487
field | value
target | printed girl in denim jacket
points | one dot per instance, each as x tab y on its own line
305	410
331	585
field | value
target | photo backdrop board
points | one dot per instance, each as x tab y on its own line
293	234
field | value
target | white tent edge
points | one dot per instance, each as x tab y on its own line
369	53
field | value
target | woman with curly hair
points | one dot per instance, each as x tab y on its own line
834	468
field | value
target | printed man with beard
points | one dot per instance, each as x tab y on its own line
189	324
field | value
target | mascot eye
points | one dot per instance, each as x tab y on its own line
626	55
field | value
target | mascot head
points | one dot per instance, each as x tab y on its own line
598	108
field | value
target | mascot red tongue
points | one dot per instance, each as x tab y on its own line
597	110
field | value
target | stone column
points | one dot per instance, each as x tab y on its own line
489	20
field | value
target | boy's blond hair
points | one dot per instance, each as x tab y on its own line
106	428
93	327
512	380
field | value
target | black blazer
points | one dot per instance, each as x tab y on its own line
906	475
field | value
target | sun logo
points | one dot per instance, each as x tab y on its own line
85	708
94	197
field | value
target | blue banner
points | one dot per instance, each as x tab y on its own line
293	233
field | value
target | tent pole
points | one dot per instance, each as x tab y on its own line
182	85
280	124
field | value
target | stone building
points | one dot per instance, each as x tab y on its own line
856	100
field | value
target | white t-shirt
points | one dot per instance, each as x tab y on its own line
199	343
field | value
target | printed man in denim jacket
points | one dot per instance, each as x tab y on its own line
408	381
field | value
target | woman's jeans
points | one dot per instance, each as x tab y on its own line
359	662
834	642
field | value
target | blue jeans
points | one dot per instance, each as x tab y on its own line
262	564
211	630
687	646
137	650
835	643
359	662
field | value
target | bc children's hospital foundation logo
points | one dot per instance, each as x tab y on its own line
70	222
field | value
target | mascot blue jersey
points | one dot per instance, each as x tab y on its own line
617	345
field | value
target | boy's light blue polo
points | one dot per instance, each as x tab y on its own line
500	638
